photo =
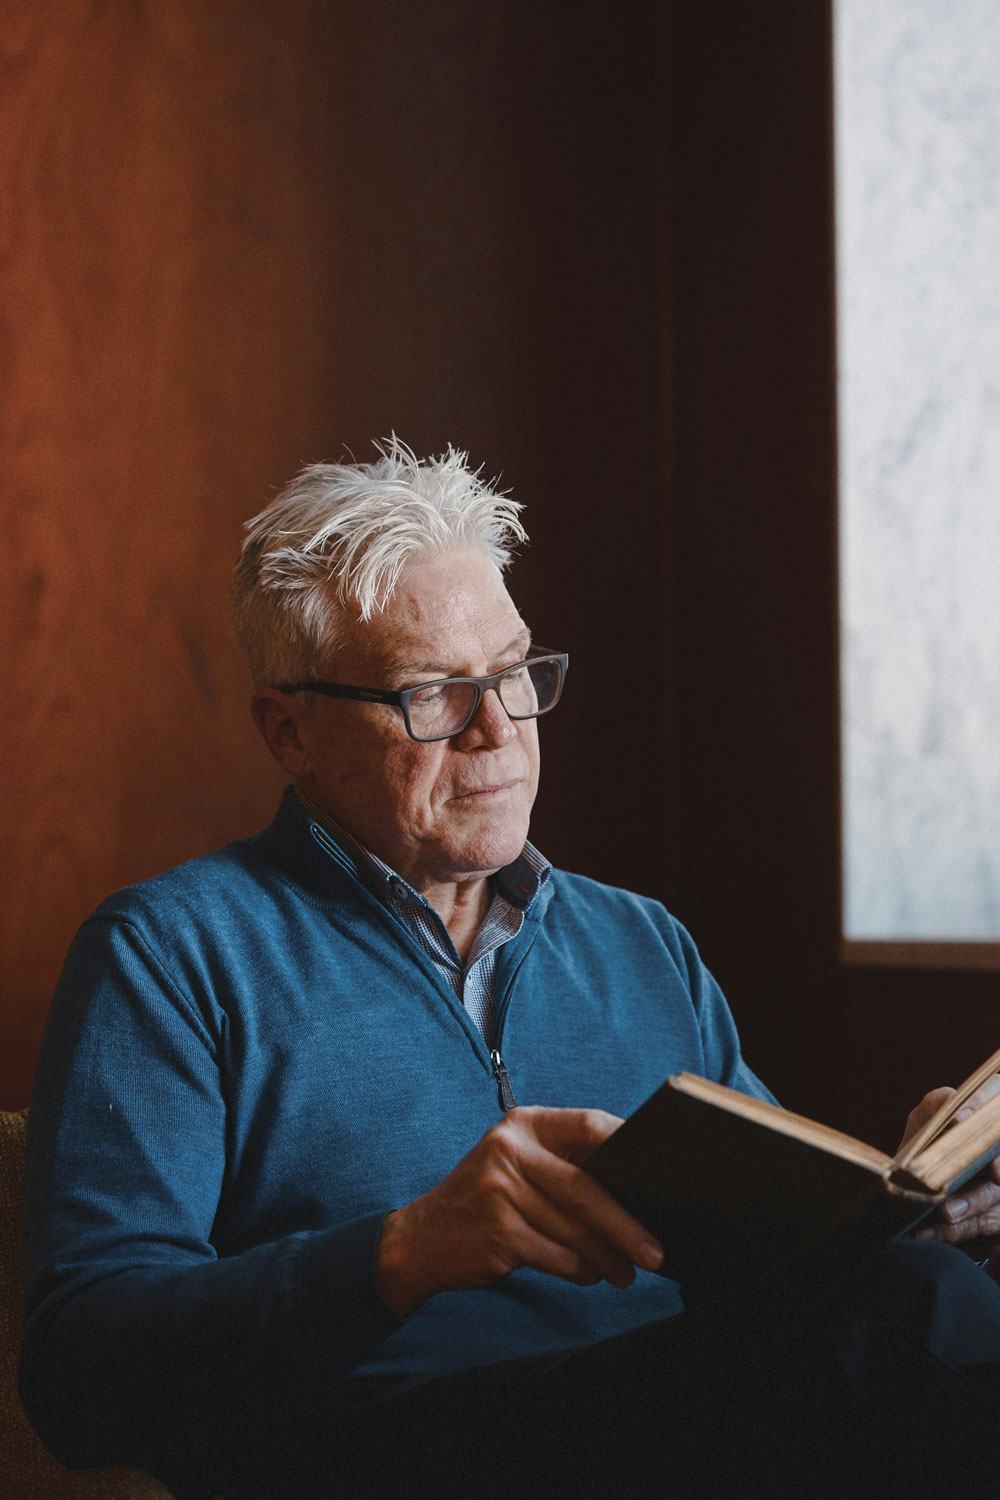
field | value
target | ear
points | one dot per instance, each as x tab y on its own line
279	718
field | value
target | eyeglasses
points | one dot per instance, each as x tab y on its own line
441	709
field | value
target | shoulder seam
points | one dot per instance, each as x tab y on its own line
164	973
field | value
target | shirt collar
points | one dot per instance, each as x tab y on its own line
518	883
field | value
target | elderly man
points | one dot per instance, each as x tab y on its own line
307	1213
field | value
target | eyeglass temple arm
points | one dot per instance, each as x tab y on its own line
343	690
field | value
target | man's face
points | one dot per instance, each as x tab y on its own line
438	811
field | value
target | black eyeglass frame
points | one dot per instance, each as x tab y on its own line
401	698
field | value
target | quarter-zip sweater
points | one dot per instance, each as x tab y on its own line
248	1063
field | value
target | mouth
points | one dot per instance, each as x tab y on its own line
480	793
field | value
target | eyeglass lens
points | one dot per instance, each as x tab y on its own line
444	708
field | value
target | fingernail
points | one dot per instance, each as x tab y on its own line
956	1208
963	1114
923	1234
650	1256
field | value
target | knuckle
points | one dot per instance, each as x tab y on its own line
593	1128
499	1232
500	1228
578	1187
494	1183
500	1142
510	1134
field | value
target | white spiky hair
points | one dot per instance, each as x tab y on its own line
340	535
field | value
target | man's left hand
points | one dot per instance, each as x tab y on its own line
971	1217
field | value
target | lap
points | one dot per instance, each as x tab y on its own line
820	1386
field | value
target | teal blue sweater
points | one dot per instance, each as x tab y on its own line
248	1063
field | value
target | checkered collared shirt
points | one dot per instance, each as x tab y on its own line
513	889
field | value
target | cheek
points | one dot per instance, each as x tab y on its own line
417	779
372	768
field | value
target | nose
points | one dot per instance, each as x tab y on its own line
490	724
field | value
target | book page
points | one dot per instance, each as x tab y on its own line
943	1116
965	1148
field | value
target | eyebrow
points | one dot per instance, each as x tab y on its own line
399	668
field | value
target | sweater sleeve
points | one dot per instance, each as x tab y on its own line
142	1344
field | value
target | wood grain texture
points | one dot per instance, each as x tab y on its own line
235	239
165	335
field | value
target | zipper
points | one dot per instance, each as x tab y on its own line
504	1086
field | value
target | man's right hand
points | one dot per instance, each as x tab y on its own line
519	1198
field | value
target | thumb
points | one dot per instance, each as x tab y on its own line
573	1134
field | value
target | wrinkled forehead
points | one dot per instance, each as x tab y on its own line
446	613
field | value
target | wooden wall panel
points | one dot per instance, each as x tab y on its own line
234	239
165	331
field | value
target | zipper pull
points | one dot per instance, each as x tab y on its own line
507	1100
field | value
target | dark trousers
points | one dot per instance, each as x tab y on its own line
880	1381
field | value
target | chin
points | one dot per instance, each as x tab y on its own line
492	850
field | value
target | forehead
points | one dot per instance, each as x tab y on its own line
447	612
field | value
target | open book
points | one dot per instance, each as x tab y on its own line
733	1187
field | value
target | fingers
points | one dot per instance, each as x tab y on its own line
525	1226
973	1213
983	1198
547	1255
518	1198
979	1227
585	1200
544	1146
549	1219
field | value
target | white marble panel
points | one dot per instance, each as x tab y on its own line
917	112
